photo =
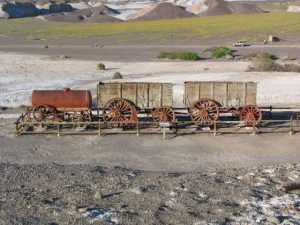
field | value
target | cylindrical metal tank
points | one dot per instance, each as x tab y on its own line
65	99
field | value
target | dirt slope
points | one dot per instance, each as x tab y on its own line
96	14
165	10
220	7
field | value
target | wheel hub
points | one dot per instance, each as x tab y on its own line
163	117
203	113
116	113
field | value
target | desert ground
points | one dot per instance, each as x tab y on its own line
125	179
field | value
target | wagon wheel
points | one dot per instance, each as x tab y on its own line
250	115
120	111
81	116
163	114
44	113
204	111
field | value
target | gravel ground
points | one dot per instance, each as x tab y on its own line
78	194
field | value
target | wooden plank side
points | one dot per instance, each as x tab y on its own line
227	94
251	93
167	94
232	93
206	90
107	92
129	92
236	94
241	94
220	93
154	95
143	95
191	93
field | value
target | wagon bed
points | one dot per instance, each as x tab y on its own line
142	95
227	94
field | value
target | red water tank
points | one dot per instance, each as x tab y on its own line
62	99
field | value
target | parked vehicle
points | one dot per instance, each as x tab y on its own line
240	44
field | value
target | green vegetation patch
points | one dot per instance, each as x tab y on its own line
254	27
219	52
178	55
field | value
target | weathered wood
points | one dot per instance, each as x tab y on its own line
227	94
143	95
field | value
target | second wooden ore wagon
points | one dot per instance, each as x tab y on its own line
204	101
121	102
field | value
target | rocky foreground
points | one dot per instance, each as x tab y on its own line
77	194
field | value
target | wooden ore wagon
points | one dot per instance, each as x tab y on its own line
205	101
121	102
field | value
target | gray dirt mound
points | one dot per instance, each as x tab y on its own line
220	7
166	10
96	14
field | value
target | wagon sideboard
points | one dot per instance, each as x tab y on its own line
227	94
143	95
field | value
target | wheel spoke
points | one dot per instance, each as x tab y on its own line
204	110
120	111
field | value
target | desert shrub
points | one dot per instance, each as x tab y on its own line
23	107
100	66
117	75
46	46
168	55
178	55
266	62
221	52
288	67
265	56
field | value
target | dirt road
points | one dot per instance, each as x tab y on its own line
150	152
141	53
135	52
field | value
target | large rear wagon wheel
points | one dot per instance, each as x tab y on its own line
204	112
120	111
250	115
163	114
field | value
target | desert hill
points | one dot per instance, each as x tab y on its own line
165	10
94	14
221	7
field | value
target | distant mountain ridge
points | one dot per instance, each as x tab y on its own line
94	11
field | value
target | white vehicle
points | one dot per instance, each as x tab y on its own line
239	44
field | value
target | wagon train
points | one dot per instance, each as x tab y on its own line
124	103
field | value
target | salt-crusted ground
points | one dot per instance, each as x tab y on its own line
56	194
20	74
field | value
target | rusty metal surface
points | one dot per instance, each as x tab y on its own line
227	94
62	99
143	95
